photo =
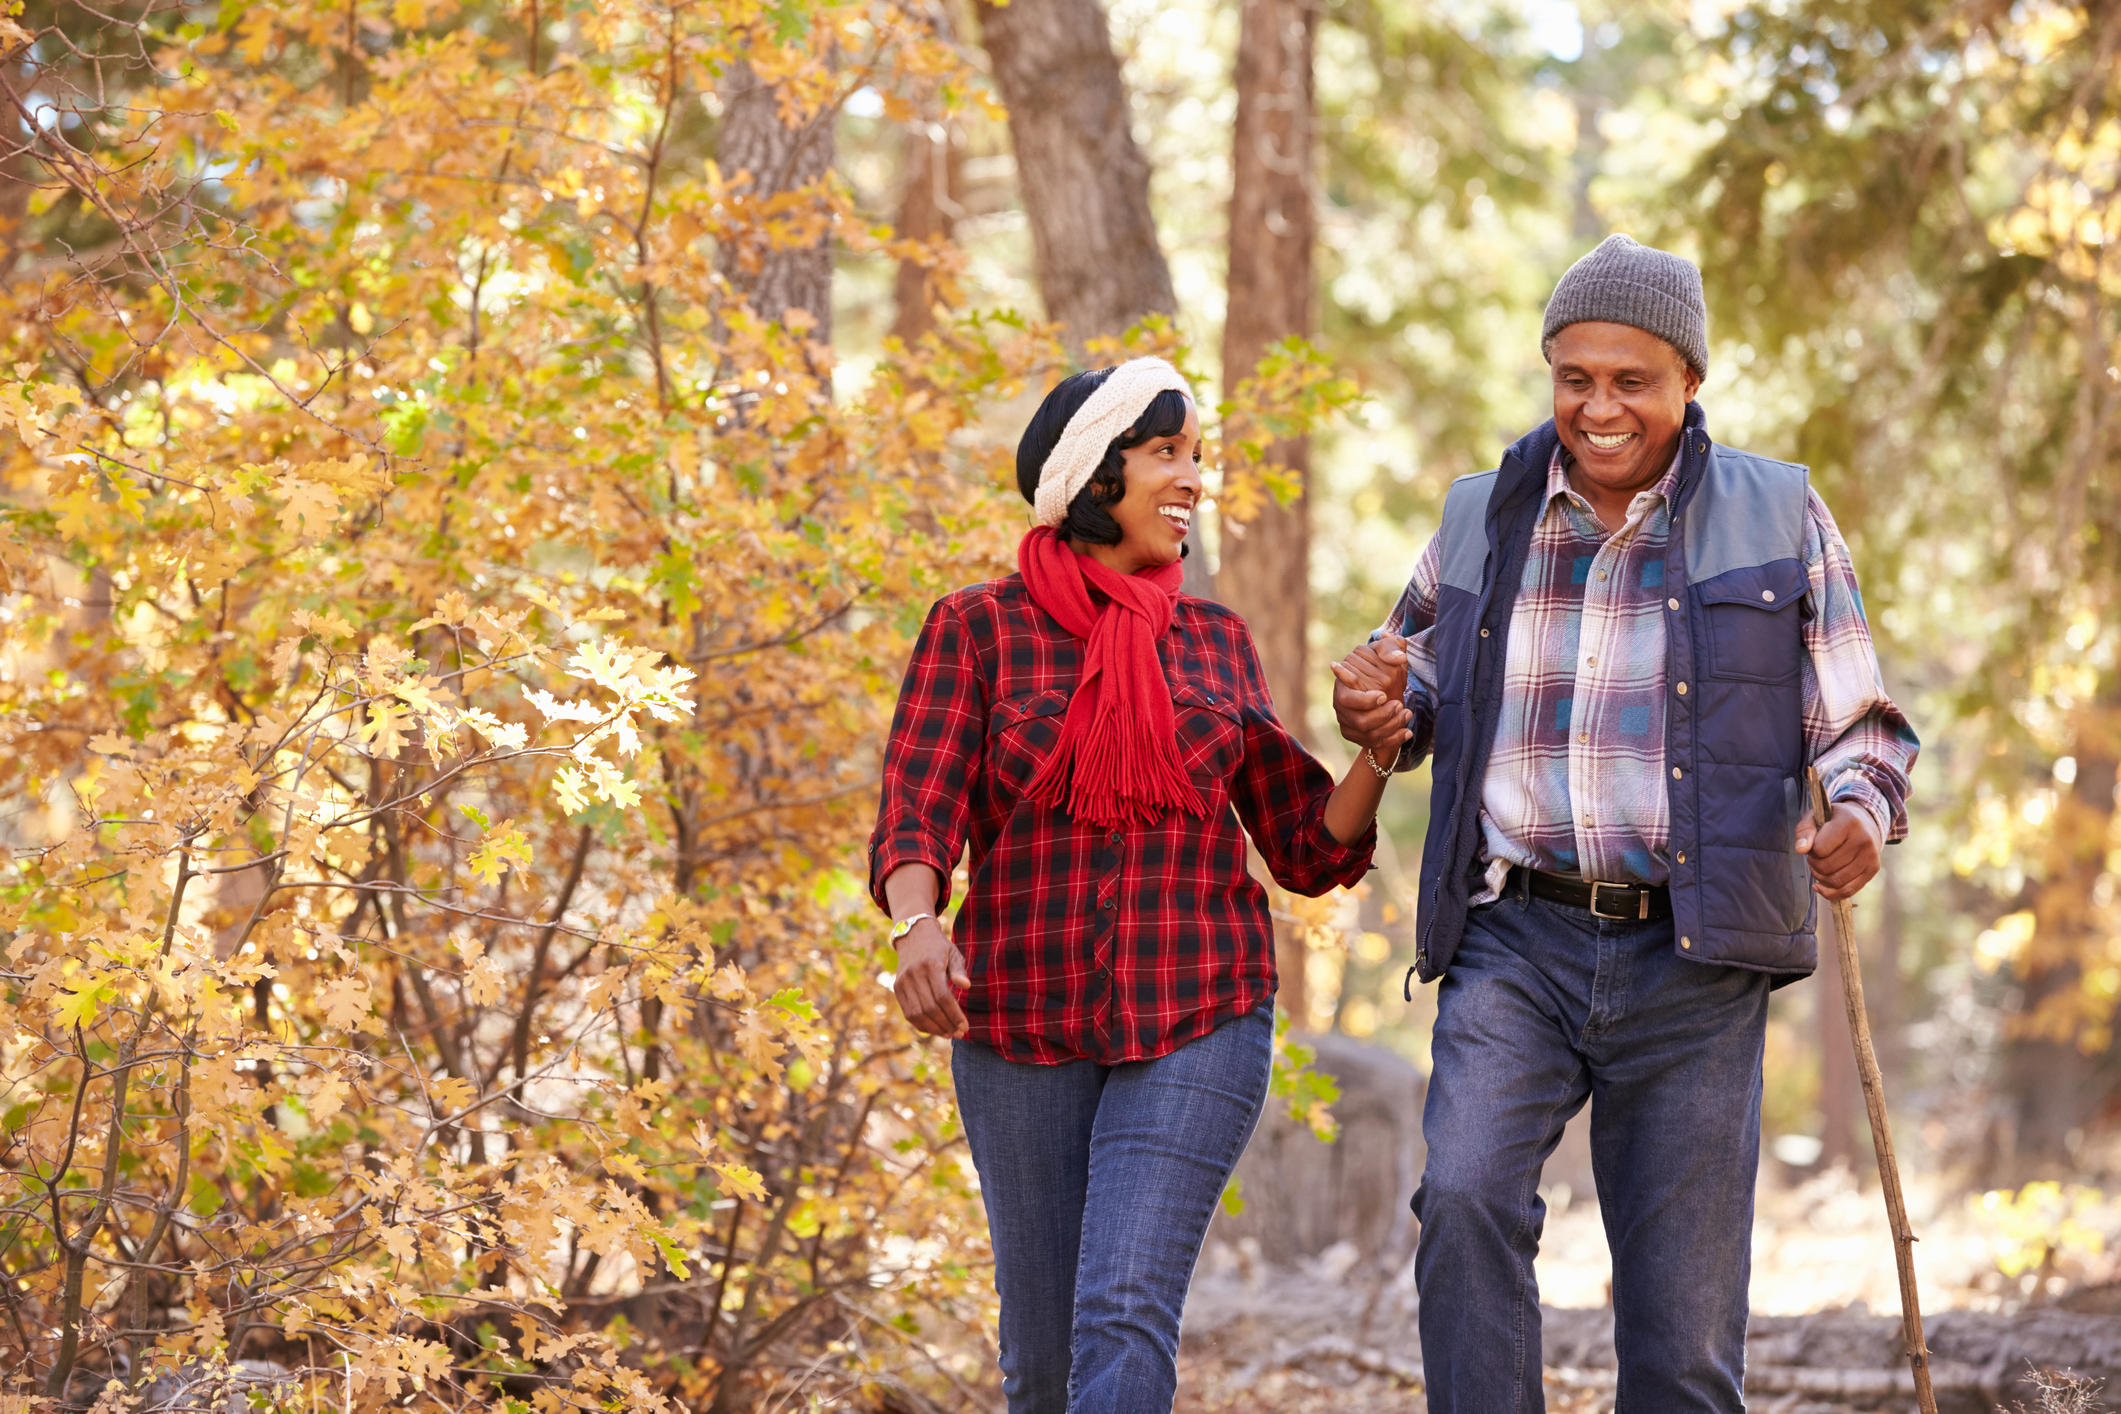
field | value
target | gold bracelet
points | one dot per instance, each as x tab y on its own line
1369	754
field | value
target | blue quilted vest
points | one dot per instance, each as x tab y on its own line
1734	728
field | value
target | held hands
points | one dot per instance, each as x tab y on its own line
1844	851
931	971
1369	695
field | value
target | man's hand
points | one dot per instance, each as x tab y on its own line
1844	851
931	971
1369	694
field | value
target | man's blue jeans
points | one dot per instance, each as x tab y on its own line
1545	1006
1099	1182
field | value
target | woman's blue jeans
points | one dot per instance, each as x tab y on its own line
1546	1006
1099	1182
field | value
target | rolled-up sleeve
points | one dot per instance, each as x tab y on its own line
1860	742
932	758
1281	790
1414	619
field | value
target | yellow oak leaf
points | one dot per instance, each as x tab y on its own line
403	1242
492	858
345	1001
740	1182
307	508
326	1098
451	1094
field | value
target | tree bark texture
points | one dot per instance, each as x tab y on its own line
780	159
1085	182
927	211
1265	571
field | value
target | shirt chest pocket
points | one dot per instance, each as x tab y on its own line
1755	622
1022	732
1211	735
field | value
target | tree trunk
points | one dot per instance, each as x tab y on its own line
779	159
1265	572
1083	179
1085	182
927	211
2051	1083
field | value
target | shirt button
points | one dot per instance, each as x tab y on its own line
1672	604
1115	837
1592	662
1601	574
1682	689
1587	822
1583	736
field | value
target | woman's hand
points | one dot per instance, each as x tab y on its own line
931	971
1369	691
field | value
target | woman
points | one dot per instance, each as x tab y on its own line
1087	729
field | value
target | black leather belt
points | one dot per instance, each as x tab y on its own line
1621	902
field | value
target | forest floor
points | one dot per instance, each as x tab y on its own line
1336	1334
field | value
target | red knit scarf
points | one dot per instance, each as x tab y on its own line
1117	759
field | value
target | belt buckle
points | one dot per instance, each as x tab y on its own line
1642	902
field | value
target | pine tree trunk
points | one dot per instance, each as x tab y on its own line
1265	571
1085	182
779	159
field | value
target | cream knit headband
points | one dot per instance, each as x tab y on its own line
1115	406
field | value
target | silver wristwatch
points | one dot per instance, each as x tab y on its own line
904	926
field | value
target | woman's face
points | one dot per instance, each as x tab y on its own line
1163	486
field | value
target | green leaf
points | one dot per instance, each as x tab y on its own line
1233	1200
673	1255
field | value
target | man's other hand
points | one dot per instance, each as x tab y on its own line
1844	851
1369	694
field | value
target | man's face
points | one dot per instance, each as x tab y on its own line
1620	399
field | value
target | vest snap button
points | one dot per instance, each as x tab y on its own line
1672	604
1768	595
1483	633
1682	689
1676	773
1687	943
1682	856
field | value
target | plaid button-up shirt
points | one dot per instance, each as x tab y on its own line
1576	778
1112	945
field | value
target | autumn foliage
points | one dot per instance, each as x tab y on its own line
447	630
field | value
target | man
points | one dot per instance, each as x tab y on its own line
1625	645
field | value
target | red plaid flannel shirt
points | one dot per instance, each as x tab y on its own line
1111	945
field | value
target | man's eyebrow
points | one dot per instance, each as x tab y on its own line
1638	370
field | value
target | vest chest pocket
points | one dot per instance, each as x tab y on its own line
1755	622
1022	732
1211	736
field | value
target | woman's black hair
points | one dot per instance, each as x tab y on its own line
1088	520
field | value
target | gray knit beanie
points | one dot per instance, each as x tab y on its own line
1626	282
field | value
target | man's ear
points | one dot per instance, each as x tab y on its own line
1693	379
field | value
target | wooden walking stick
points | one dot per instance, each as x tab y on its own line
1918	1354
